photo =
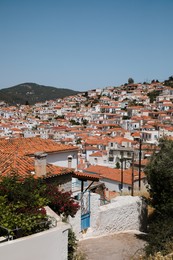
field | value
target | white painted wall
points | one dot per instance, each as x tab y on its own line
76	223
50	244
114	185
122	214
61	159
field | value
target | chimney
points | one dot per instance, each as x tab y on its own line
69	161
40	164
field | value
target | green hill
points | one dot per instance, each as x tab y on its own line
32	93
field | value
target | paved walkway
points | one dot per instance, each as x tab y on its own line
122	246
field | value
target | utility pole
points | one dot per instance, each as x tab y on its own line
140	153
132	190
121	170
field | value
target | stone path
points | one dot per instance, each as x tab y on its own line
122	246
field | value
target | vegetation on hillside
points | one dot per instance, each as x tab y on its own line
31	93
159	173
169	82
152	95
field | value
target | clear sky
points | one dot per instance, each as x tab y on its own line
85	44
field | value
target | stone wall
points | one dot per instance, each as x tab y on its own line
124	213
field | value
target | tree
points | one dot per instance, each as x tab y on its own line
153	94
171	78
160	177
130	81
84	121
60	201
159	173
117	165
22	202
22	206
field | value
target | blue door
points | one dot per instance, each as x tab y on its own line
85	210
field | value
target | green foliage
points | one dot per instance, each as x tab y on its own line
74	122
60	117
27	191
126	117
117	165
169	82
130	81
84	122
152	95
22	204
160	235
159	173
72	244
60	201
160	178
78	141
21	223
34	93
154	81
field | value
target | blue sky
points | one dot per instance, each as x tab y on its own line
85	44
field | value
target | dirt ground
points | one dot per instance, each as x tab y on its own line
122	246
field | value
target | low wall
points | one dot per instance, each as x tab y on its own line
124	213
50	244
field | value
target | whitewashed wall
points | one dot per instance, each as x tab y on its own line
122	214
50	244
75	223
61	159
114	186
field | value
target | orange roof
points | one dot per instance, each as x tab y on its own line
113	174
86	176
136	134
24	165
96	154
119	139
29	146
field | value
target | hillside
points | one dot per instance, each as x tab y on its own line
32	93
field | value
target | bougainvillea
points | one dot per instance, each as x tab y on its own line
60	201
22	203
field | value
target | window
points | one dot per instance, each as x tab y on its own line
129	154
70	161
119	186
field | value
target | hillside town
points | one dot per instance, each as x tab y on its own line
102	131
96	145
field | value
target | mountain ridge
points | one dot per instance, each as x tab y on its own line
31	93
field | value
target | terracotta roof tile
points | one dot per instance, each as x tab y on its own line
86	176
29	146
113	174
24	165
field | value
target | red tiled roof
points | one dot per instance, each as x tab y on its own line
24	165
113	174
86	176
96	154
29	146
